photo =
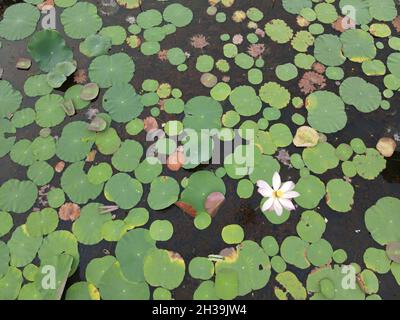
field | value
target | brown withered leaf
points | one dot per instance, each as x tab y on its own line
150	124
176	160
69	211
59	167
91	156
80	76
187	208
396	23
213	202
46	5
311	82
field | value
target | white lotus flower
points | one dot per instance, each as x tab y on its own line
279	195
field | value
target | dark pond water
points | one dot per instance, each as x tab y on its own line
187	240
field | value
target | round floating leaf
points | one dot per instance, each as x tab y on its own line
393	251
384	10
42	222
97	267
75	142
100	173
136	217
6	223
111	70
108	141
82	291
369	282
311	190
95	45
161	230
40	173
127	158
365	96
163	268
339	195
23	247
293	250
232	234
87	228
122	103
201	268
164	191
320	158
202	113
149	18
77	186
278	31
226	284
130	252
296	6
148	170
117	34
19	21
49	110
17	196
245	101
358	45
23	118
270	245
251	264
4	259
60	242
319	253
123	190
200	185
326	112
114	286
48	48
113	230
10	284
326	283
382	220
202	220
81	20
56	197
275	95
328	50
369	165
377	260
178	15
311	226
10	99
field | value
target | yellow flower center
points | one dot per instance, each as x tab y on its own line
279	194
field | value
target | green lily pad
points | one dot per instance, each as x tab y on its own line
381	220
339	195
164	191
42	222
87	228
107	71
19	21
163	268
11	98
17	196
81	20
23	247
77	186
123	190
